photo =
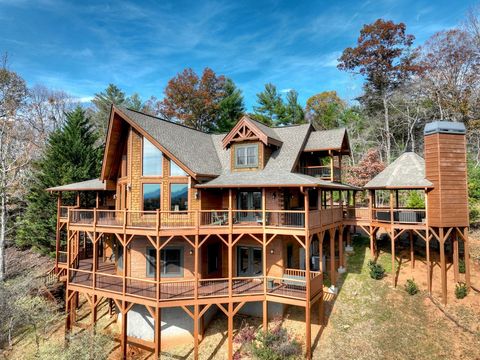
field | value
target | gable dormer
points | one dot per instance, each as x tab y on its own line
251	144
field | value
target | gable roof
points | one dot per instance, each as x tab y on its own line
87	185
406	172
192	148
265	134
334	139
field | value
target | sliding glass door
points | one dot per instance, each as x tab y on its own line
249	261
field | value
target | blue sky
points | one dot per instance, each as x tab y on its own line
82	46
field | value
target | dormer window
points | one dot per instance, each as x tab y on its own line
246	156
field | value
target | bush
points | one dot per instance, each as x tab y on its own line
415	200
411	287
274	344
377	271
461	290
461	266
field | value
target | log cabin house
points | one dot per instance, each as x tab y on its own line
183	224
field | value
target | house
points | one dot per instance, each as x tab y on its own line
184	224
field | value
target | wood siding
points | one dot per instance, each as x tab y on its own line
446	168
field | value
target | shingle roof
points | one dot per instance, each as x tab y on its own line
264	178
325	140
408	171
93	185
193	148
270	132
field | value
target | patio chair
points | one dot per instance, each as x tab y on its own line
218	220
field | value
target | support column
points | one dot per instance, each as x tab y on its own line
372	246
443	265
332	257
341	265
158	326
230	330
466	249
454	238
124	338
412	251
195	331
392	240
264	260
429	263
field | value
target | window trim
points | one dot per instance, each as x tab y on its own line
162	262
185	174
246	146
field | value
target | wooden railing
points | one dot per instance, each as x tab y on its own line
292	284
358	213
323	172
399	216
165	220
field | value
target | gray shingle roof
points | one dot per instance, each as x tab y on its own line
408	171
93	185
193	148
263	178
270	132
325	140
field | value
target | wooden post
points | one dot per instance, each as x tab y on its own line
230	330
429	263
195	331
264	259
443	265
392	240
340	247
57	232
97	200
78	198
308	326
412	251
454	238
372	246
332	256
466	249
124	337
158	327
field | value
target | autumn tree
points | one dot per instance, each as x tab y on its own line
209	103
324	110
384	56
369	167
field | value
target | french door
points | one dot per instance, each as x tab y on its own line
249	200
249	261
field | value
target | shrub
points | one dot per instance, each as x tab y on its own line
411	287
461	290
461	266
245	335
377	271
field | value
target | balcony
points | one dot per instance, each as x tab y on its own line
292	285
201	219
322	172
387	215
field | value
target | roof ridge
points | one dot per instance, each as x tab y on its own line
165	120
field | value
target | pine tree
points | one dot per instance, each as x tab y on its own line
71	155
231	107
270	105
103	102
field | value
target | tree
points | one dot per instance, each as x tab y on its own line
294	113
231	107
195	101
383	55
369	167
71	155
324	110
15	141
103	102
270	105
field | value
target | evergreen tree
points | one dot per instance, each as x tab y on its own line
294	113
103	102
231	107
270	106
71	155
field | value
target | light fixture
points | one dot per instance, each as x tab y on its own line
129	187
274	195
272	251
196	195
191	252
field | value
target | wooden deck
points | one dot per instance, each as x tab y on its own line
106	279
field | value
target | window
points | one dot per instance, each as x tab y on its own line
246	156
152	159
178	197
151	197
176	170
119	256
249	261
171	264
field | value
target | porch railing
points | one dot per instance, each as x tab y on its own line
400	216
323	171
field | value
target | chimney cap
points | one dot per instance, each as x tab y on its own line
444	127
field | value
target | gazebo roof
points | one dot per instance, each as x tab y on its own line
406	172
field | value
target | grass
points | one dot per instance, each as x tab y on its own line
371	319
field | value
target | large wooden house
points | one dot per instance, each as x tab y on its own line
184	224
